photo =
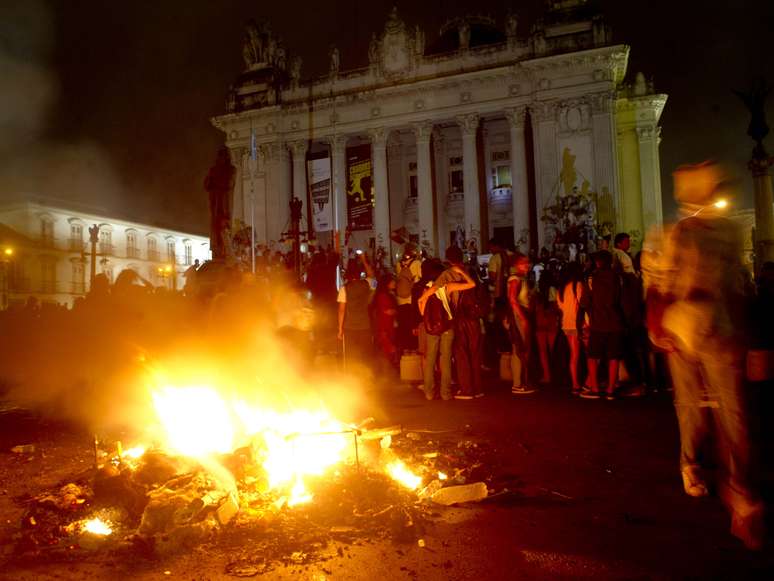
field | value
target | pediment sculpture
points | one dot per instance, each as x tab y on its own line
397	48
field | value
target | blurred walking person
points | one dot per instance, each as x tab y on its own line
383	314
354	322
698	270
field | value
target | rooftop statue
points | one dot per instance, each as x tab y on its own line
755	101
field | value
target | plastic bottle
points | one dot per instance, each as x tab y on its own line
457	494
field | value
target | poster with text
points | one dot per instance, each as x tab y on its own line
360	199
319	172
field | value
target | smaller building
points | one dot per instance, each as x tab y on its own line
46	253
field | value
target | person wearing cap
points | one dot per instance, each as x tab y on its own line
696	314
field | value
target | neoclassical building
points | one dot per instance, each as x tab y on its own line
46	254
462	139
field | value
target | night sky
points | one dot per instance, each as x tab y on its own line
108	103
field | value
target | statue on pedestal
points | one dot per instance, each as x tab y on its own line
219	184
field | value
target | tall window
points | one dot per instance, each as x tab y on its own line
501	169
188	253
47	232
413	187
456	183
76	237
79	286
153	251
131	245
48	274
171	251
105	242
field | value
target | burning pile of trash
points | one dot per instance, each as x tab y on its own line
284	481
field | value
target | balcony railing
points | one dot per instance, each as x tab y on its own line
75	244
153	255
105	248
132	252
78	288
48	286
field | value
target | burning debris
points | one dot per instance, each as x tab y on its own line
286	494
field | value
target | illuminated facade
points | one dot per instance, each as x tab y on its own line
465	139
51	252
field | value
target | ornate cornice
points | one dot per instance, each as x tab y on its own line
544	110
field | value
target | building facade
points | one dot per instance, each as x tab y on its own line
469	138
47	251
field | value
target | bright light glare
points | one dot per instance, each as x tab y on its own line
134	453
196	420
720	204
97	526
8	251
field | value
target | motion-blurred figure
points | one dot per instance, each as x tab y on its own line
699	298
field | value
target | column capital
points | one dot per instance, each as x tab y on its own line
378	136
423	130
468	123
544	110
336	142
299	147
516	116
647	132
602	102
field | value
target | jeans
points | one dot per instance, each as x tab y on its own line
709	383
434	342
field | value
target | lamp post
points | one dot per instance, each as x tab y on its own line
93	239
5	260
295	232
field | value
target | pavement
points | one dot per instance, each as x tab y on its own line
598	497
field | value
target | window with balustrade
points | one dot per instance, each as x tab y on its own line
456	182
501	169
153	250
76	237
47	274
413	184
132	251
171	251
105	242
188	253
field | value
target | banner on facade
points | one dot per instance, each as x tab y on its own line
360	199
319	174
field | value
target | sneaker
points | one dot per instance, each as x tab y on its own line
587	393
693	484
463	396
478	395
521	390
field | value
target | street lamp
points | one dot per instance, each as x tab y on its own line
5	260
166	272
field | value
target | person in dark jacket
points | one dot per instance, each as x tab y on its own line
606	324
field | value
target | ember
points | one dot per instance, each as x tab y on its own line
97	526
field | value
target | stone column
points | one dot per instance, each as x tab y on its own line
606	158
546	159
238	195
764	198
299	178
278	192
395	179
469	126
519	188
650	179
381	192
428	236
338	146
442	187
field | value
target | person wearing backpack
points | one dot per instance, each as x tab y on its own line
409	272
436	305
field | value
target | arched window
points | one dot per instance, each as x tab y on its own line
132	251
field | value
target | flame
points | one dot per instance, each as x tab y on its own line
196	420
97	526
299	494
134	453
442	476
401	473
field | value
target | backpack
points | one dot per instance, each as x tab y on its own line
405	282
436	319
469	306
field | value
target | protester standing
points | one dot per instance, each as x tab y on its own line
520	324
569	298
354	324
